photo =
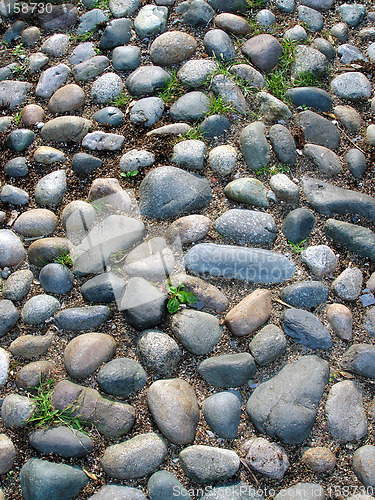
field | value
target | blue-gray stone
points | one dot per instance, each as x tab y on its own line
248	264
305	329
8	316
357	239
228	370
163	485
147	111
222	412
313	19
298	224
286	405
218	44
360	359
117	32
90	20
110	116
16	167
85	318
234	491
191	107
104	288
43	480
312	97
20	139
126	58
196	13
83	163
56	278
305	294
246	226
215	126
147	80
318	130
121	376
39	309
62	441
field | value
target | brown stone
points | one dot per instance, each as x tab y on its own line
86	352
33	374
319	459
172	47
251	313
32	114
188	229
232	23
46	250
31	346
68	98
7	454
341	320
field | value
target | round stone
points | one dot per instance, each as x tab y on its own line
121	377
39	309
158	352
68	98
56	279
172	47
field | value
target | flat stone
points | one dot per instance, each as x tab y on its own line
172	47
65	129
135	457
126	58
36	223
112	418
208	464
42	479
63	441
16	167
350	54
246	226
228	370
197	331
329	200
313	19
305	329
174	407
249	314
248	264
103	141
311	97
48	156
13	93
51	79
286	405
90	68
267	345
31	346
85	353
135	159
82	52
346	418
58	17
305	294
352	14
161	196
78	319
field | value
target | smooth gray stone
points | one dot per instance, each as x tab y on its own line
168	192
298	225
356	161
13	93
83	163
151	21
228	5
318	130
82	52
56	278
126	58
286	405
20	139
318	4
39	308
360	359
12	251
16	167
219	45
191	107
121	376
147	111
228	370
147	80
215	126
117	32
324	159
82	318
9	316
13	195
143	305
61	441
364	466
325	47
310	96
195	72
90	68
18	284
231	93
349	54
328	199
90	20
254	146
305	294
121	8
267	345
51	188
313	19
352	14
51	79
109	116
196	13
355	238
283	144
248	264
249	74
246	226
305	329
43	480
222	412
163	485
103	289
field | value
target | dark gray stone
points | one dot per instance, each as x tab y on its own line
103	289
328	199
325	47
248	264
318	130
56	279
228	5
286	405
117	32
305	329
147	111
191	107
219	45
20	139
324	159
168	192
356	161
121	377
90	68
16	167
61	441
312	97
215	126
143	305
196	13
283	144
110	116
147	80
42	480
163	485
305	294
82	318
126	58
264	51
9	316
267	345
83	163
228	370
254	146
298	225
360	359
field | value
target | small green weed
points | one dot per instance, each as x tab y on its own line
17	118
306	80
279	80
279	169
18	50
177	296
65	259
173	88
45	415
194	133
297	247
133	173
122	100
218	106
261	171
85	36
332	377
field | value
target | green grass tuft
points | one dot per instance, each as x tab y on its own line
195	133
122	100
173	88
218	106
45	415
65	259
